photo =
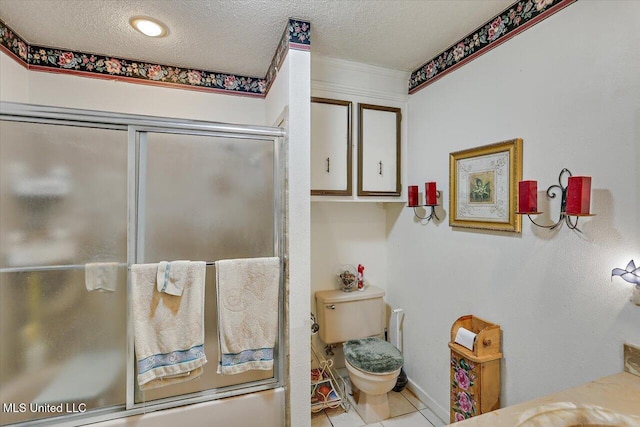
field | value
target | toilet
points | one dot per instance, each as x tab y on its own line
357	319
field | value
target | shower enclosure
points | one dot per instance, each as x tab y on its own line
80	187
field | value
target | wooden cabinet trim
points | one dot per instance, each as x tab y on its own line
349	189
398	112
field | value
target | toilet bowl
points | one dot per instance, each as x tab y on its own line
356	319
373	366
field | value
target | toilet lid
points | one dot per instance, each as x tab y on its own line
373	355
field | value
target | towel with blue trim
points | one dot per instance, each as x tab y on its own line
168	329
172	276
247	291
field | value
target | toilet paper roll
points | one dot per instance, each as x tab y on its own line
465	338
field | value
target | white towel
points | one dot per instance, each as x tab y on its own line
101	276
172	277
247	291
168	330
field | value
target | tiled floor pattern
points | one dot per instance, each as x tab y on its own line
406	411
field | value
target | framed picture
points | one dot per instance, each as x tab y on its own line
483	186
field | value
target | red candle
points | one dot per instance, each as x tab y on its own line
578	195
413	195
528	196
431	194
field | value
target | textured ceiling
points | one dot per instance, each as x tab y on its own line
240	36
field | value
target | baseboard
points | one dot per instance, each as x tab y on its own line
424	397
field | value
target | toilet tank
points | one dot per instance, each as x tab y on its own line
344	316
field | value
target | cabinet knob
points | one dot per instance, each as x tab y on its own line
331	307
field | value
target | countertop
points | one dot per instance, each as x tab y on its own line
619	393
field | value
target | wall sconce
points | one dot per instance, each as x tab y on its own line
431	196
630	274
575	199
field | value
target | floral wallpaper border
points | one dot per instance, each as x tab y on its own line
13	44
41	58
516	18
299	34
296	35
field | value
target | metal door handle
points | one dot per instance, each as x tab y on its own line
331	307
380	172
328	163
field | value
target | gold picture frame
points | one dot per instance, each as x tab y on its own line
483	187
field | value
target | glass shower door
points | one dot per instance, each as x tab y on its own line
63	204
205	198
80	188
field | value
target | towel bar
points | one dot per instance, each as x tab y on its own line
62	267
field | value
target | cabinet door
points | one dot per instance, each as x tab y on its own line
330	147
378	150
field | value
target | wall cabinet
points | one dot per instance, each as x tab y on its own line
379	142
348	134
331	156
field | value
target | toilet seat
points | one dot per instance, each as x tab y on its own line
373	355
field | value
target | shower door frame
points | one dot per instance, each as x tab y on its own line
137	127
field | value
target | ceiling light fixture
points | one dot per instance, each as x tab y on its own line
148	26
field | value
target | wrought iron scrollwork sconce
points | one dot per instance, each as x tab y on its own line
575	198
427	217
431	196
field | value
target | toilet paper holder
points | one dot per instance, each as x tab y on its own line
475	367
487	334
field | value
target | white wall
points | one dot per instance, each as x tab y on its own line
65	90
570	89
13	80
290	93
347	233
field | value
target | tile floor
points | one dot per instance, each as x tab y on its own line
406	411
